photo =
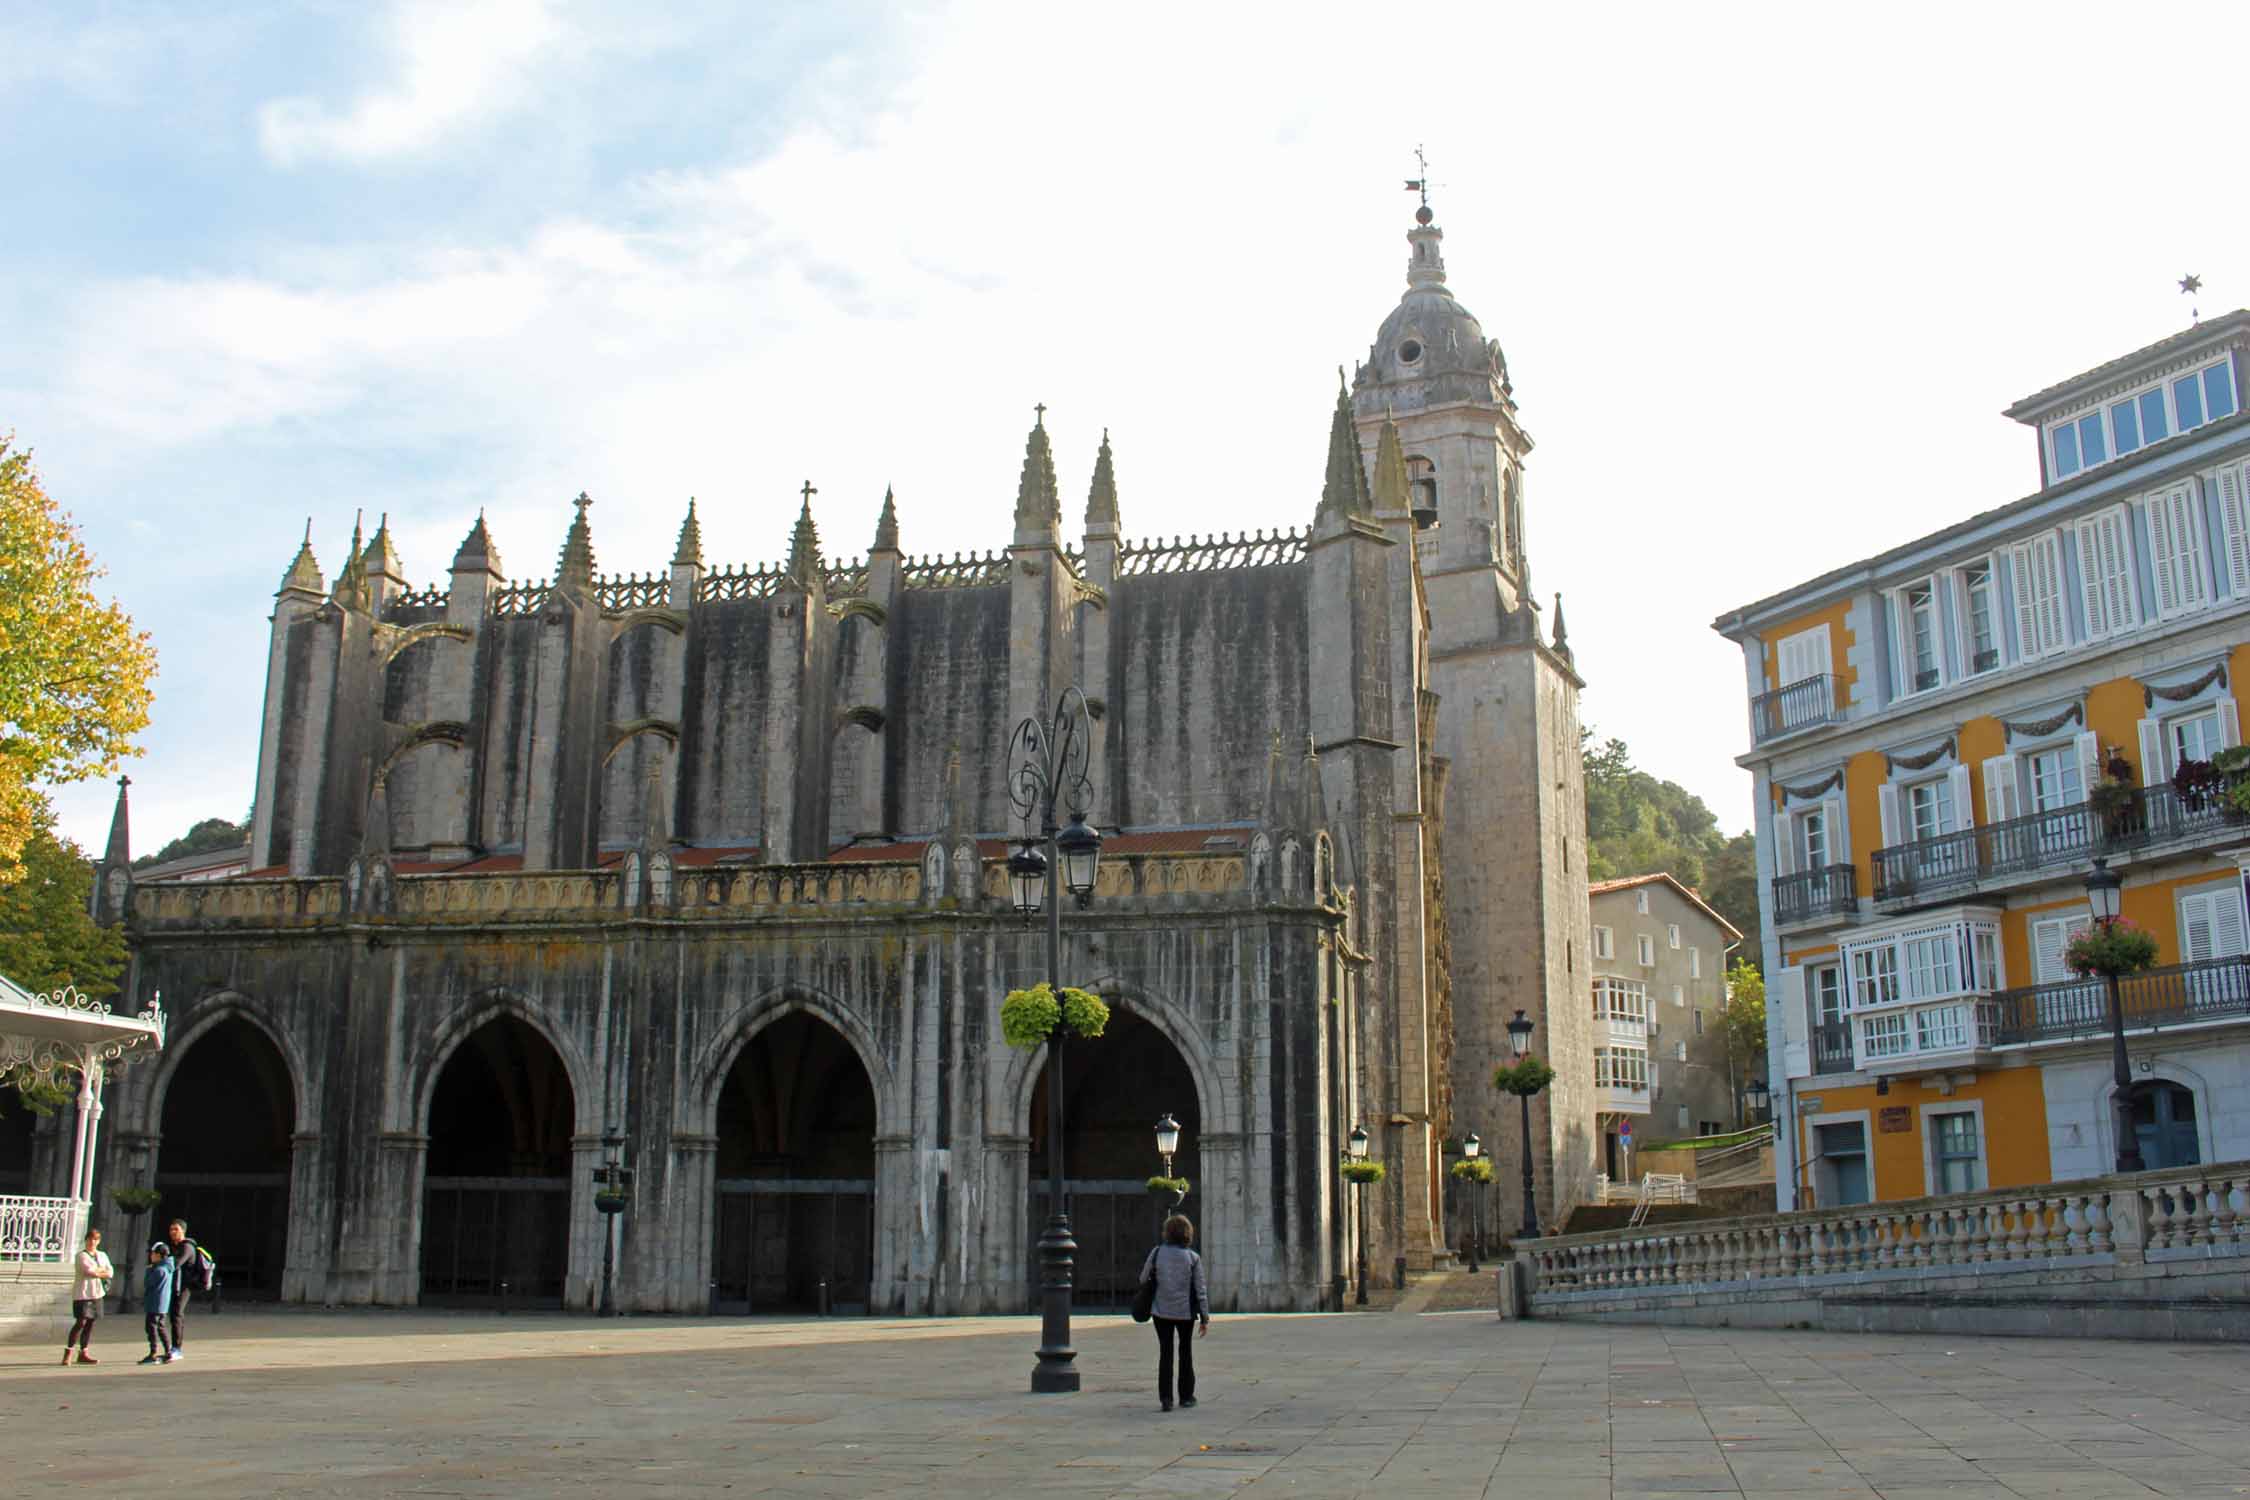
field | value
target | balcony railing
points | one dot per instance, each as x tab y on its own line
1832	1047
1800	705
40	1230
1956	861
1825	892
2215	990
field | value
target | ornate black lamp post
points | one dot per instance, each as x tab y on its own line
2104	897
610	1181
1519	1040
1355	1149
1471	1150
1048	764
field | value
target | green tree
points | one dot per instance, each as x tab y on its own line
1638	825
74	673
210	834
1745	1018
46	938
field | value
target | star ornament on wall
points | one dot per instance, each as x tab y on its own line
2190	284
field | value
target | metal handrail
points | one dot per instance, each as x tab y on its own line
2177	995
1951	861
1831	890
1799	705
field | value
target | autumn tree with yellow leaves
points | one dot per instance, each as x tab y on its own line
74	673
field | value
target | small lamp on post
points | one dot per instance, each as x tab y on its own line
1471	1149
1167	1146
1519	1041
2104	900
609	1199
1757	1094
1355	1149
1027	879
1081	850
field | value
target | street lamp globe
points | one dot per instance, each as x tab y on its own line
1471	1147
2103	892
1167	1136
1081	850
1027	878
1757	1094
1356	1143
1519	1033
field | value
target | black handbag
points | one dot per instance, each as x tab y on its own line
1144	1295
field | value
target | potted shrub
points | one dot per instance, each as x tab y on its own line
1176	1188
1364	1171
1029	1017
1473	1169
609	1200
2112	948
2197	784
2111	801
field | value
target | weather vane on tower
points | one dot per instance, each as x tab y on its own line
1421	185
2190	284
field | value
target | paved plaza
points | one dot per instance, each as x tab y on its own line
1401	1406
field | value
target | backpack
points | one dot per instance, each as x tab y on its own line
199	1271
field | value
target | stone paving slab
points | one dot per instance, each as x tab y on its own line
284	1403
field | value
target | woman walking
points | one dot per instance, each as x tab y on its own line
94	1271
1182	1298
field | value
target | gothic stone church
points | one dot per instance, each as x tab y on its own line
713	859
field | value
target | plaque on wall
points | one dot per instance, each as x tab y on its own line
1895	1119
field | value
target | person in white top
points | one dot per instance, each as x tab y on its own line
94	1272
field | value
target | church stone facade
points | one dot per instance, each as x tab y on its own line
709	863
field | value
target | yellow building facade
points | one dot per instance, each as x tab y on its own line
1946	739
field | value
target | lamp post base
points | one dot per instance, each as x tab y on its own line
1057	1369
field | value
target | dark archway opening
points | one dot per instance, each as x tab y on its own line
2164	1122
222	1163
796	1178
496	1190
18	1127
1115	1088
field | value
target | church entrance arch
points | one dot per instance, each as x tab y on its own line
222	1157
496	1194
796	1173
1115	1088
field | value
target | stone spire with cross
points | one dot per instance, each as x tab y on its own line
575	569
1038	500
804	543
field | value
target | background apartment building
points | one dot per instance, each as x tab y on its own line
1946	736
1660	987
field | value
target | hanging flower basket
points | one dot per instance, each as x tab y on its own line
1473	1169
1364	1171
609	1203
1525	1078
1029	1017
2119	947
1172	1187
135	1200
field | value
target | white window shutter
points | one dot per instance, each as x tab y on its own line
2027	608
1999	788
2090	578
2153	769
1789	993
1839	834
2163	522
1957	604
2230	727
1957	786
1886	807
2195	927
2089	760
2186	501
2228	936
1784	844
2117	560
2234	523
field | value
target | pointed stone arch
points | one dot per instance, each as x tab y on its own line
699	1100
1221	1110
440	1041
407	640
208	1013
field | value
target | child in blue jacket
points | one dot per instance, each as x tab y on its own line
156	1296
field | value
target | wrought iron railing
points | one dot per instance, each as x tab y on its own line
1832	1047
1951	861
1800	705
39	1231
1826	892
2180	995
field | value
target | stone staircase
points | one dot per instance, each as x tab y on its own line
1447	1289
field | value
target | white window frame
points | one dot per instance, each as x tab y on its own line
1605	942
2176	724
1645	947
1973	967
1813	987
1679	995
1672	935
2213	907
1965	592
1618	999
1695	963
2164	385
1806	648
1930	1113
2068	762
1942	800
2064	926
2233	541
1823	1176
1640	901
1902	612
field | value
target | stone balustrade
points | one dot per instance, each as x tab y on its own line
2200	1211
267	903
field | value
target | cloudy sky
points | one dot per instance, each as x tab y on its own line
1764	277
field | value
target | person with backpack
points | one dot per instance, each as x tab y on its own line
191	1273
1182	1299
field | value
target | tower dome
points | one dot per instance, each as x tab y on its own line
1430	350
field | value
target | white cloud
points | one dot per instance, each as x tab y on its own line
457	60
